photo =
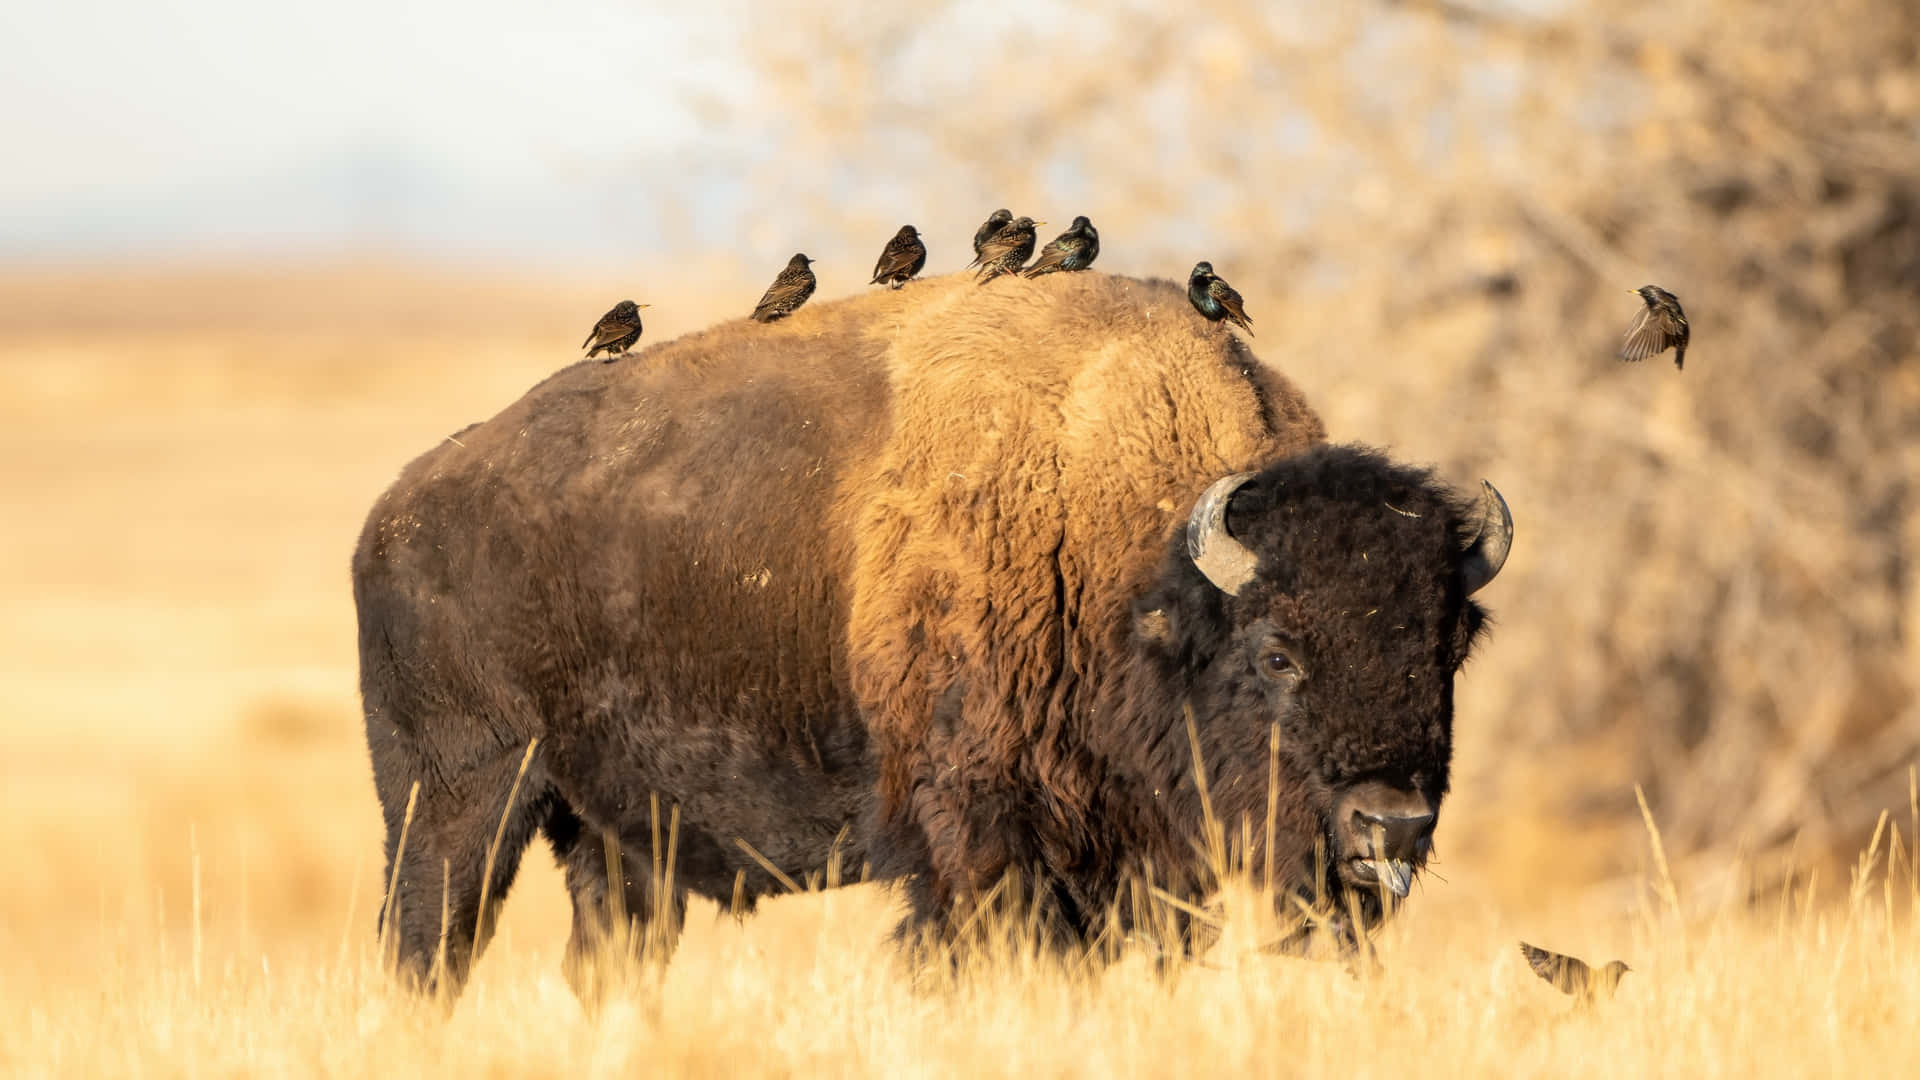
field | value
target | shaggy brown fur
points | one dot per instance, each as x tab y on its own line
910	559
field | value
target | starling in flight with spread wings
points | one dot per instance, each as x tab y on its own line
1660	327
1571	975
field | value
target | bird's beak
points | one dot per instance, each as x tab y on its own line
1039	223
643	305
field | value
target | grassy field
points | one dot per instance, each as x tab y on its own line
193	843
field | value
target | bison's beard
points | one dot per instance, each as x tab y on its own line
1324	910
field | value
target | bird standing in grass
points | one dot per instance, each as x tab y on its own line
903	257
1660	327
787	292
1006	251
1074	249
994	223
1214	298
1571	975
616	332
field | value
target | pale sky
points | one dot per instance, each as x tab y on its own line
459	127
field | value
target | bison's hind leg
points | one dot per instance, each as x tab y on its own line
432	924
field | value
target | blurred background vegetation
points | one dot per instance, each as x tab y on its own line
1435	211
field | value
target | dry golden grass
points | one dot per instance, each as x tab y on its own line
193	845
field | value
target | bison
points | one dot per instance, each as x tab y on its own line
930	580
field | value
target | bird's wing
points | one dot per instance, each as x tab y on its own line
607	329
785	288
1051	256
1230	300
898	258
1000	245
1566	973
1646	337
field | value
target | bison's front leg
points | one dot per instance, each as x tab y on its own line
614	929
446	829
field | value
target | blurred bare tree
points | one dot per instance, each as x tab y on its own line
1435	209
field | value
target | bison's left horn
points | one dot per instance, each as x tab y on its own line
1215	553
1492	538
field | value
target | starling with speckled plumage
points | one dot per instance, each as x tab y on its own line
1660	327
1074	249
787	292
1006	251
903	258
994	223
1213	297
616	332
1571	975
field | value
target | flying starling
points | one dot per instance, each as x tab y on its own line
1214	298
1074	249
994	223
1660	327
903	258
1570	975
1006	251
616	332
787	292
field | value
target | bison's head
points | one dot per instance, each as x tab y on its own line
1329	594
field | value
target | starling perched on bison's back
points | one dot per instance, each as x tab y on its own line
787	292
1008	250
901	260
1212	297
1074	249
616	332
1660	327
994	223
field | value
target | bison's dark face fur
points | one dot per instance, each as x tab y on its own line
1347	637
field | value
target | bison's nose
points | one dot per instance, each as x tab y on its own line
1398	837
1385	832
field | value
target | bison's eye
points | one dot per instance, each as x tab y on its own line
1279	666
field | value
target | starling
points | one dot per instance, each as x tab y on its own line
1006	251
1214	298
1570	975
1074	249
787	292
994	223
903	258
616	332
1660	327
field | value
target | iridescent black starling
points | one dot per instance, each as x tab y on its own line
616	332
994	223
903	258
1660	327
1074	249
1006	251
1214	298
1572	976
787	292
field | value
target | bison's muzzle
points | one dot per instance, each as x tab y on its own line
1382	834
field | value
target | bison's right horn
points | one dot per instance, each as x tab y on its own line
1492	538
1215	553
